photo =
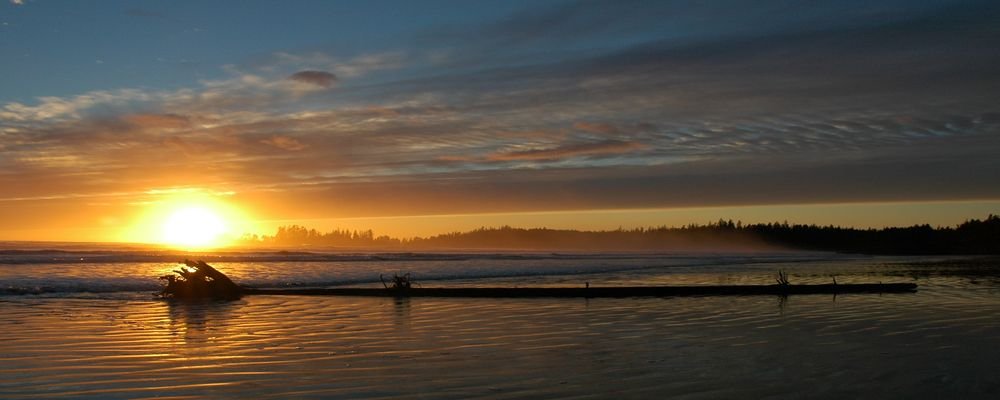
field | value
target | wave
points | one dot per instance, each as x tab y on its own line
79	271
55	256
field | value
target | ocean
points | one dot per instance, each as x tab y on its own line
81	321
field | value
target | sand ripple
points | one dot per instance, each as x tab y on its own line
941	342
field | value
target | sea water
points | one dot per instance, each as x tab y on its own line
81	321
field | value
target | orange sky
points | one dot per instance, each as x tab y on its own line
142	217
419	121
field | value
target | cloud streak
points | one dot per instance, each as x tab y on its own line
322	79
605	148
826	108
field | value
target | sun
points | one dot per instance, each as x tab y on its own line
193	226
189	219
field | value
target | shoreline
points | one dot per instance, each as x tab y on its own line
599	292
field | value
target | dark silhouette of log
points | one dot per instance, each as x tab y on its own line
202	281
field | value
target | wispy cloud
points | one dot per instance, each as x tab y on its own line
604	148
284	142
345	67
869	108
158	121
58	108
322	79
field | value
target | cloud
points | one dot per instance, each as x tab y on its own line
240	92
158	121
368	63
910	113
60	108
319	78
605	148
354	67
284	142
596	127
17	2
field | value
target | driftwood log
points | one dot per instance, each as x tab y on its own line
201	281
204	282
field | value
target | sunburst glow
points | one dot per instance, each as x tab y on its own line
193	227
191	219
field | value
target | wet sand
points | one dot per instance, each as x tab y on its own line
942	342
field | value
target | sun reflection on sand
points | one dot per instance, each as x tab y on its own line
198	323
299	346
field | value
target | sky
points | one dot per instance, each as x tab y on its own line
424	117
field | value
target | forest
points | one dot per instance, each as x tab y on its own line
970	237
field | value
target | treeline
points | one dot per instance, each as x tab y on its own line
971	237
295	235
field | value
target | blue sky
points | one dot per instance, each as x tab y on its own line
61	48
315	110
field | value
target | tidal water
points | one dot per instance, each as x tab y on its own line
82	323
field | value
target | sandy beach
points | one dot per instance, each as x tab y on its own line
940	342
